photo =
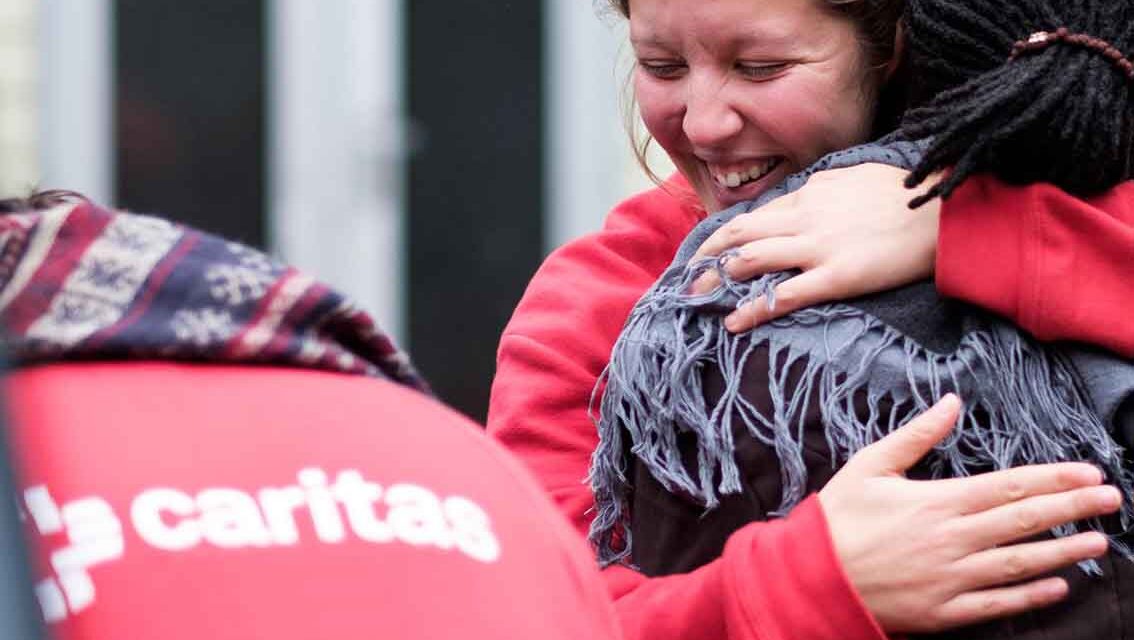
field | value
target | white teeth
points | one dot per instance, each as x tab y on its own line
735	179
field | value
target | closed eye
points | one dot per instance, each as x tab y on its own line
762	71
662	69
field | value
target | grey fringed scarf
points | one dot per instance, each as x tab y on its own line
1025	402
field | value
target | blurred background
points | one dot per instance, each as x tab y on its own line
421	155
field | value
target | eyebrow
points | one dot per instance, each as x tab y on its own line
647	40
779	39
767	37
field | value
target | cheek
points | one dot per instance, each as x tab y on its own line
850	106
852	121
662	111
811	118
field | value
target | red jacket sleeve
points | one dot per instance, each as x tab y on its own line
560	336
774	580
1060	267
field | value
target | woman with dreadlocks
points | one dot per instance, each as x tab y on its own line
722	429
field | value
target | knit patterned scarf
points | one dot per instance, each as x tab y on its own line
869	365
78	282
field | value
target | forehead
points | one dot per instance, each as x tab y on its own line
724	22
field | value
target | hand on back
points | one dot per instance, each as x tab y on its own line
932	555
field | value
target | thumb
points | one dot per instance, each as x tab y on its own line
900	450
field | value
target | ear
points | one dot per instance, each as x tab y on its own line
899	51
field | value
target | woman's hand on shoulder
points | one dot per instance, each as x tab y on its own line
850	231
932	555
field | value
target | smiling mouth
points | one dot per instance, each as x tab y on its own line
736	179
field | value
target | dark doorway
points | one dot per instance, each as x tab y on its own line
191	139
476	185
190	124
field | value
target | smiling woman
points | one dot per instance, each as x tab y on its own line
764	44
743	94
743	89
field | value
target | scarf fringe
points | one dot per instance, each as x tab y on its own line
1028	408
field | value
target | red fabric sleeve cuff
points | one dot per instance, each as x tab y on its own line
783	580
980	246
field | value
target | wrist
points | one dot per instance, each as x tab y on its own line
786	578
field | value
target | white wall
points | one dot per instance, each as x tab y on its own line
76	95
19	99
336	153
590	164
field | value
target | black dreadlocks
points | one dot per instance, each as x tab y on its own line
1063	114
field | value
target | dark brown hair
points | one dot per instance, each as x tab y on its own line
877	22
39	200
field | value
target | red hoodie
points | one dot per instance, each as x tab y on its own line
1061	268
185	502
782	579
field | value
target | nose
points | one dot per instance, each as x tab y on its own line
710	119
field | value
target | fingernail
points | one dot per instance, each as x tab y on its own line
732	321
1095	543
1096	475
1106	497
759	306
947	402
701	284
1084	473
1055	588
